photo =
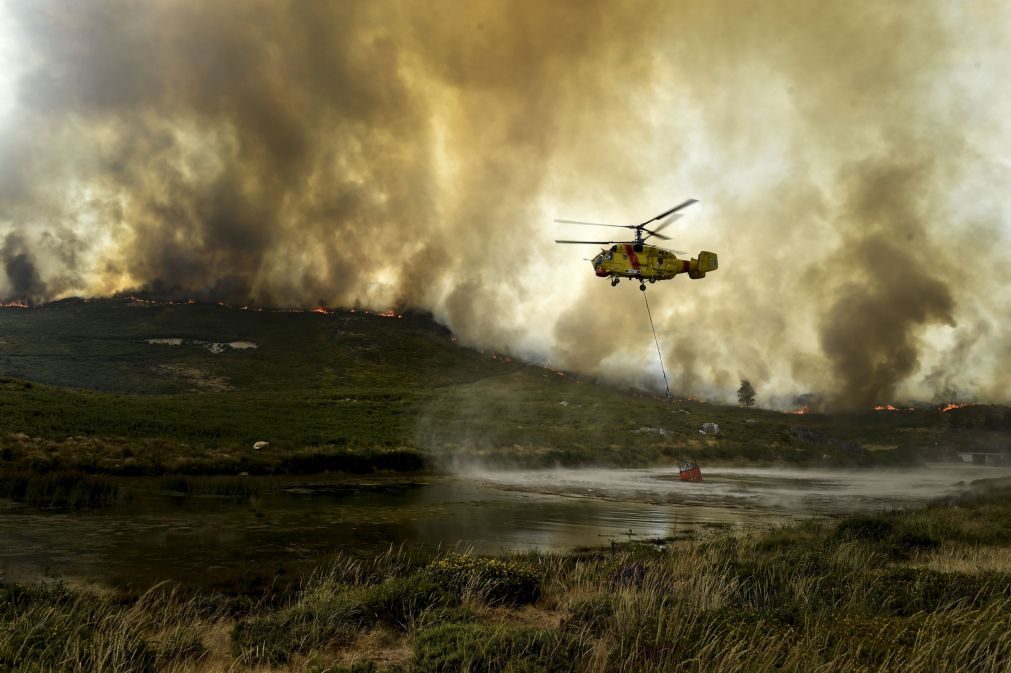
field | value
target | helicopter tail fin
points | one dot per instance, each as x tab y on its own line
706	261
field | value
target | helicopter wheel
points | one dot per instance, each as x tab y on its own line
652	280
642	286
614	282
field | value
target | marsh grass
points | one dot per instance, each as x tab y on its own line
846	597
64	488
49	627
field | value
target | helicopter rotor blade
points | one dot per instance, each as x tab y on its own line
594	224
667	221
587	242
653	233
668	212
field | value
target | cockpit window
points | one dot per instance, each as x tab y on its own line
598	260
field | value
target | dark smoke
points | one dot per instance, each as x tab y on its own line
412	154
893	282
24	282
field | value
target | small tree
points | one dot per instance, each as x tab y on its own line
746	394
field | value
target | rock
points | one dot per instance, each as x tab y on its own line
260	445
709	429
564	403
750	421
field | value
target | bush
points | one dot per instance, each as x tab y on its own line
910	541
399	460
593	614
439	616
497	581
274	638
398	601
480	647
875	639
906	591
865	528
333	617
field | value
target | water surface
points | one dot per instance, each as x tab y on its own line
203	539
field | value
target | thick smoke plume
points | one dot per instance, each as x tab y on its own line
22	276
849	158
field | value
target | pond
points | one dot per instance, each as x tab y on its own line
296	523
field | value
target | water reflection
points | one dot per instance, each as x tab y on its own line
200	539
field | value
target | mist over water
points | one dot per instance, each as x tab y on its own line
199	539
803	491
850	160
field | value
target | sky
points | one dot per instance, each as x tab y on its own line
850	159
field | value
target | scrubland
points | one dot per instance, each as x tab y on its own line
90	412
922	590
83	390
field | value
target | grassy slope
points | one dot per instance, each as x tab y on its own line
86	390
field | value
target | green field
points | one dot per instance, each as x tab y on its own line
83	389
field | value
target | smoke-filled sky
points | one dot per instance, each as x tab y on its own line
851	159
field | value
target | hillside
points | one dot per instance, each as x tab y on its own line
131	386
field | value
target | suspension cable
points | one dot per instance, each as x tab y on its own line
657	341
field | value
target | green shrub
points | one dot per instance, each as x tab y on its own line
328	616
504	649
498	581
594	614
398	601
907	591
399	460
274	638
865	528
874	639
910	541
439	616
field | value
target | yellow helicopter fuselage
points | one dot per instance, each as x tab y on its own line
649	262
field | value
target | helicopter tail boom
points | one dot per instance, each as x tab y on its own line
706	261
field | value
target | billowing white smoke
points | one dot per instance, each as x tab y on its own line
849	158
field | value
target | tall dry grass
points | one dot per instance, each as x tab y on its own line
866	594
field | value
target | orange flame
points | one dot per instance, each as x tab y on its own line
17	303
887	407
799	412
952	405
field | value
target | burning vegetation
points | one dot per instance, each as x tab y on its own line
201	146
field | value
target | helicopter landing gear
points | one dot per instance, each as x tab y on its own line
614	281
652	280
642	286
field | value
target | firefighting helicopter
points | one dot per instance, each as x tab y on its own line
636	259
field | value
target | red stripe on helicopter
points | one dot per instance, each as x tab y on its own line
686	266
632	259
